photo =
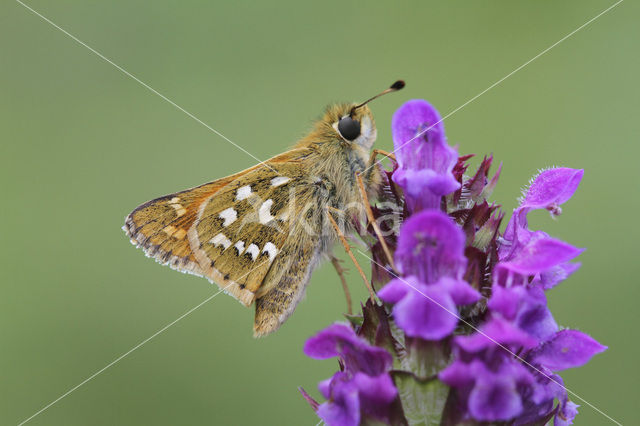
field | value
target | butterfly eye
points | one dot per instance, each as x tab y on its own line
349	128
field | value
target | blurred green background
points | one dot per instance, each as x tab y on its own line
82	144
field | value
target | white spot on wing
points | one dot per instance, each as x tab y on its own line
264	214
221	240
284	216
253	250
175	203
280	180
229	215
239	246
271	249
243	193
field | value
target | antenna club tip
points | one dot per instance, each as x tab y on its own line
397	85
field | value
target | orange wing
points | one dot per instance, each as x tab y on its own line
160	226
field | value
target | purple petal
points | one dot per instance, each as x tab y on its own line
458	374
526	307
325	387
516	235
506	301
426	313
495	399
547	386
566	414
567	349
548	190
325	344
343	409
348	396
460	291
537	321
376	394
552	187
424	188
356	354
396	289
425	160
552	277
541	254
409	120
416	182
534	413
491	394
430	246
566	410
497	333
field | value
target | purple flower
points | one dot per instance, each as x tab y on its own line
430	254
351	397
343	407
495	336
525	308
488	394
356	354
566	414
552	187
522	387
494	384
524	253
363	388
548	190
502	364
425	160
426	311
430	246
566	349
505	371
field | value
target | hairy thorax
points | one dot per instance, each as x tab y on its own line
336	191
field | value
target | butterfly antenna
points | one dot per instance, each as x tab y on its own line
393	88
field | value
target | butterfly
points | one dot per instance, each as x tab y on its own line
259	234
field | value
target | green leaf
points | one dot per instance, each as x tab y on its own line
422	399
355	320
424	358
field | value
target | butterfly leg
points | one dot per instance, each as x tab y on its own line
385	154
345	243
372	220
340	270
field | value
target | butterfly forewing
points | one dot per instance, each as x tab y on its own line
160	226
229	230
241	229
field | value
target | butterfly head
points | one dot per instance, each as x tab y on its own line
355	122
354	126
